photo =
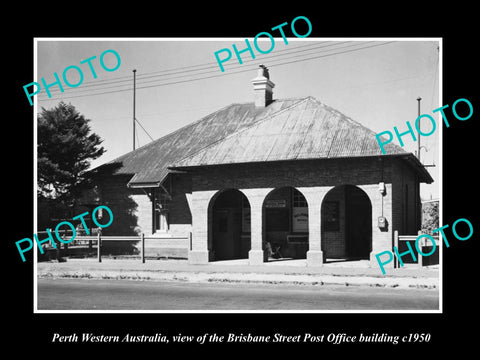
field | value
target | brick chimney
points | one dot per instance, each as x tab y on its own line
262	88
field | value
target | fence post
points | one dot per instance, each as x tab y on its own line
99	245
420	257
395	244
65	245
142	247
58	252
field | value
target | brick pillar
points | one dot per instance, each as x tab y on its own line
314	196
256	197
381	239
199	204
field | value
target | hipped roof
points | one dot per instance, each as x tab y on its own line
287	129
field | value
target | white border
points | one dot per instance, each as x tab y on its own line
440	87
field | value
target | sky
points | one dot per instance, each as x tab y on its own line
374	81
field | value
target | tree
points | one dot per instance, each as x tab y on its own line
430	219
65	148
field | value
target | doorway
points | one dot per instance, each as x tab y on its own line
285	214
230	226
346	224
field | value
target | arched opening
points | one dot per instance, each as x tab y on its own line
285	215
346	226
230	225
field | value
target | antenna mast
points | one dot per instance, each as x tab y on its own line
419	125
134	72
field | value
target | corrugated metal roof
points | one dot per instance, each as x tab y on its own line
149	164
287	129
308	130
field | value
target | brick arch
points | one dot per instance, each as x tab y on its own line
346	223
282	222
273	190
218	193
225	225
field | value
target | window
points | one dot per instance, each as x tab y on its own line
298	199
161	212
161	221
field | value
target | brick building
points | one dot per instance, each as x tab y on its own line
288	174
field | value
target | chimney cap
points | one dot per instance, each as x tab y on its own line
263	71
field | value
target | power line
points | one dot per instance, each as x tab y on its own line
341	52
221	74
267	57
213	65
175	70
83	90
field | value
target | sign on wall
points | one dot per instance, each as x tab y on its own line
300	219
275	203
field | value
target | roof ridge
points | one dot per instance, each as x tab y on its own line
245	128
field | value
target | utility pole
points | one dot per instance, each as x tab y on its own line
134	75
419	127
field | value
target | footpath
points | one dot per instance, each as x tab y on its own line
291	272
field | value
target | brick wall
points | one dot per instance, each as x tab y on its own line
329	172
141	212
406	201
180	216
322	174
133	212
